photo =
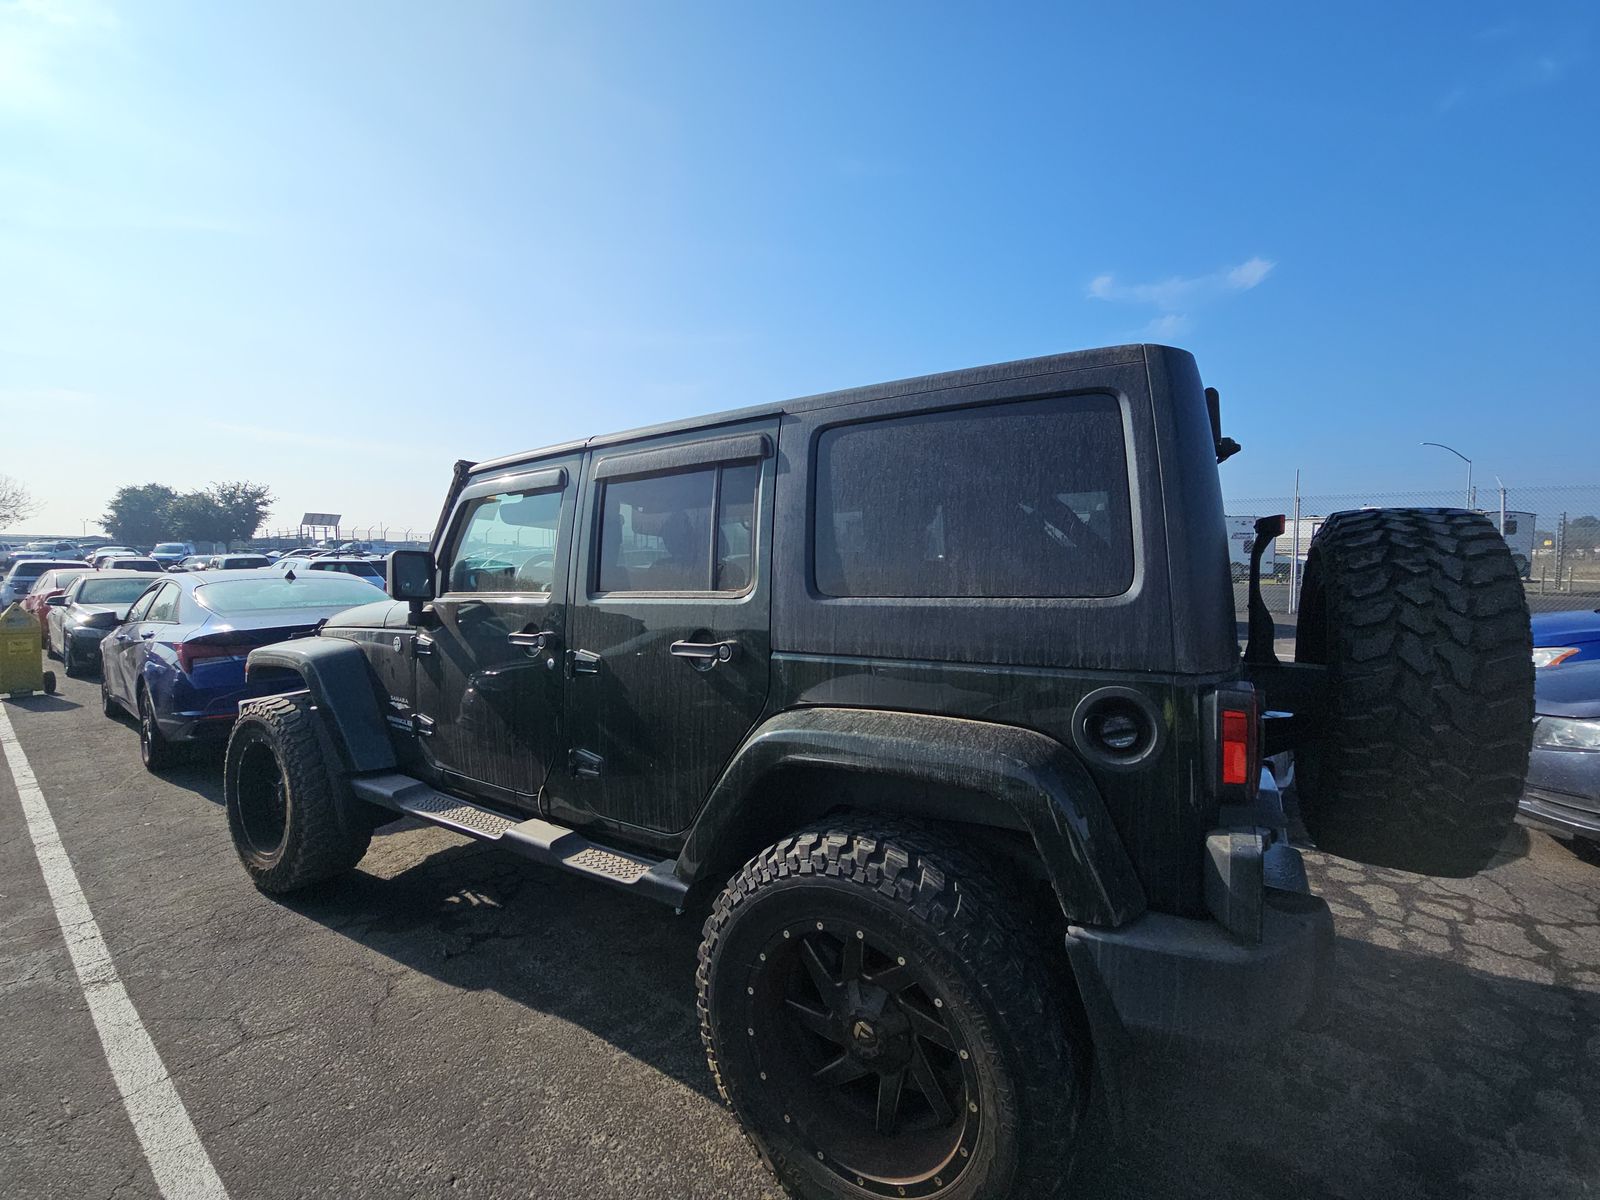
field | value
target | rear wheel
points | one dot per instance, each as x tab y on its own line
1423	623
283	808
155	751
877	1014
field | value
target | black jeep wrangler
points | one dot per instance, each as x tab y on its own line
936	688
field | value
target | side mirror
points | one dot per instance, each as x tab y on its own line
56	601
409	576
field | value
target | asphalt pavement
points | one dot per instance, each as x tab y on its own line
450	1021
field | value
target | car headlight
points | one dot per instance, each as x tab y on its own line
1552	656
1565	733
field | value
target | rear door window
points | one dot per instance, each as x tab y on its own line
657	533
165	605
1016	500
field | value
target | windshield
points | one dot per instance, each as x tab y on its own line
111	591
229	597
33	569
348	568
241	563
169	548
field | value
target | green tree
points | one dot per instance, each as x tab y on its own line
195	517
241	507
137	514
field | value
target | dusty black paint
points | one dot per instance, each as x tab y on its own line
653	735
1042	787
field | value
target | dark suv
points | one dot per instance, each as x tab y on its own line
934	691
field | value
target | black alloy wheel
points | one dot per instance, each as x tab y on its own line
864	1036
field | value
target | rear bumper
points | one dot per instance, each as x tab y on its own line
1172	978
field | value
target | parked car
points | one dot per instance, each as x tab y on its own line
132	562
25	572
193	562
177	659
51	583
938	683
362	568
1566	637
1562	794
169	554
94	556
236	562
79	617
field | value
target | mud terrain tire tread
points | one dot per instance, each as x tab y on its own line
1420	755
988	930
318	843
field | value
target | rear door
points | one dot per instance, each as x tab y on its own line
488	677
669	630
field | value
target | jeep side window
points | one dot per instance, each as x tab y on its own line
507	544
656	531
1025	499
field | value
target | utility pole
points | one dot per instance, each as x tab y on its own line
1464	459
1294	551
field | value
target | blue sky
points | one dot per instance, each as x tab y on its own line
334	247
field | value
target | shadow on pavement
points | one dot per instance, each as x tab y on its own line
1431	1079
39	702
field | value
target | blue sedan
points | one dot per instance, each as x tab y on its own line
1563	637
177	660
1562	793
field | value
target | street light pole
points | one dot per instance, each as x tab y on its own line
1464	459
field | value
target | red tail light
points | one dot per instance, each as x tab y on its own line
1237	726
1236	741
190	653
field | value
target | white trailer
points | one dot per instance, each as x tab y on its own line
1241	540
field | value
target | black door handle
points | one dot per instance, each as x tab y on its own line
705	653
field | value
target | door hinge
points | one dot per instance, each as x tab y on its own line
421	726
583	662
585	764
421	644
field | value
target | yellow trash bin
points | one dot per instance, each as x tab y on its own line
21	671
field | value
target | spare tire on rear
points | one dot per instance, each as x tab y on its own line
1418	757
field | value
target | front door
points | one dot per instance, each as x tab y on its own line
668	634
488	678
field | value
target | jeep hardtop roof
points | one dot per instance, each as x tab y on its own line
1022	368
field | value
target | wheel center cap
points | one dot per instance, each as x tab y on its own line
864	1033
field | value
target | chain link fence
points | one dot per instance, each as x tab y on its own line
1553	533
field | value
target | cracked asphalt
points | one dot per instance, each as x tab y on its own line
450	1021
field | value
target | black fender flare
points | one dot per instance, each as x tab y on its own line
342	686
1043	788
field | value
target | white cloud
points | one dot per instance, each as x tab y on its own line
1174	298
1249	273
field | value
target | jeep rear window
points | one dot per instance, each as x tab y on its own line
1017	500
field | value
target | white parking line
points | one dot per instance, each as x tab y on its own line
179	1162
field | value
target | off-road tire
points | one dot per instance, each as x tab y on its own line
155	751
962	925
275	744
1418	759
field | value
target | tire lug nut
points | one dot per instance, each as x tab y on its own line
972	1106
819	924
938	1003
763	1075
859	934
901	960
787	1118
963	1055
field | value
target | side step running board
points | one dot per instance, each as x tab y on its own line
542	841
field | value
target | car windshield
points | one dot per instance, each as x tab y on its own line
168	548
229	597
348	568
32	569
245	562
110	591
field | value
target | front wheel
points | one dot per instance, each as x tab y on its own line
876	1013
283	808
